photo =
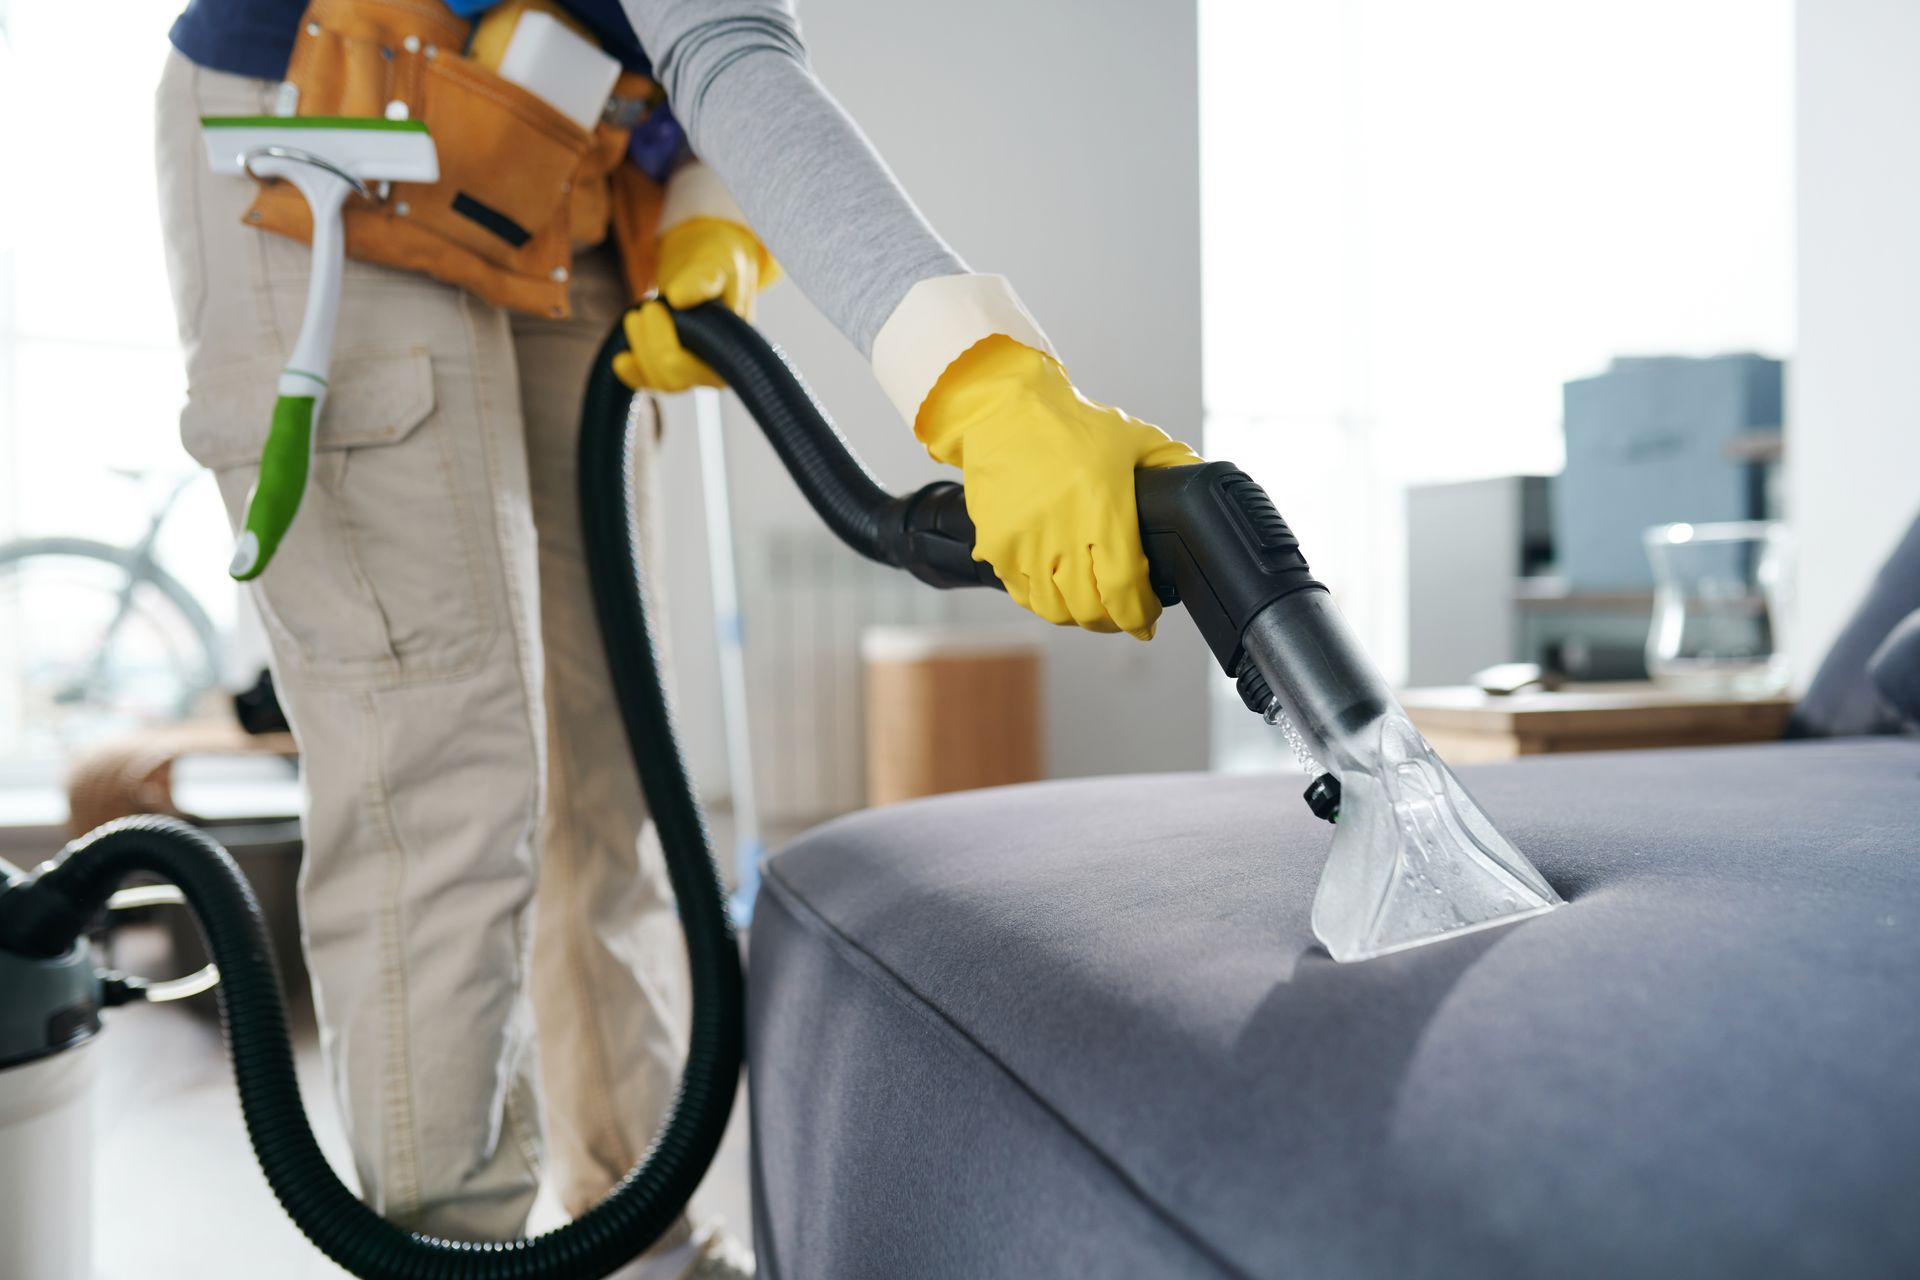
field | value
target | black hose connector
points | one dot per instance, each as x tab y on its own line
1216	543
1253	689
39	918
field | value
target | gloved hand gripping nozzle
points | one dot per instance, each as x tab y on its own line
1414	858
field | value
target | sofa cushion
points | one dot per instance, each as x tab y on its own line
1083	1029
1895	670
1844	698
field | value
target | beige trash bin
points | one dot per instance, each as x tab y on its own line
951	709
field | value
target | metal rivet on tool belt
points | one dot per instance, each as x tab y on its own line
432	52
411	44
402	209
560	275
313	28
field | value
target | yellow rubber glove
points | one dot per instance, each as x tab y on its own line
701	259
1049	480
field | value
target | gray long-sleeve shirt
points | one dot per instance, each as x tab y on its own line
813	187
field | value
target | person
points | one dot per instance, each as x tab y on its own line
429	620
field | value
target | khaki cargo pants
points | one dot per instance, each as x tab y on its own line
434	645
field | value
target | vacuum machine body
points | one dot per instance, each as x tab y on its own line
49	1012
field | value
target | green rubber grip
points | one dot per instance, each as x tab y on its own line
277	492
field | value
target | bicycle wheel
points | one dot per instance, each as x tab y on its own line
94	641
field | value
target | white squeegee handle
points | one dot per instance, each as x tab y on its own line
287	456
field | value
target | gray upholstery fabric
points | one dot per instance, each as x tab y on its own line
1843	697
1895	670
1081	1029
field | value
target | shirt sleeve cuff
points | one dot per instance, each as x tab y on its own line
695	191
935	323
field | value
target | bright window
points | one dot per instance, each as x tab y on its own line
1421	219
90	373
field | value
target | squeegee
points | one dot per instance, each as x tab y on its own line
327	158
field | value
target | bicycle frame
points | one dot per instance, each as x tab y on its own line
139	568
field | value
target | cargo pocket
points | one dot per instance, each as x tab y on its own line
379	579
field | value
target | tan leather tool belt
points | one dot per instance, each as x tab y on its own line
522	187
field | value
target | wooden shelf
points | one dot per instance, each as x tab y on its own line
1466	724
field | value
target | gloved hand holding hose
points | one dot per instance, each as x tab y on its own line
1049	483
704	252
701	260
1048	473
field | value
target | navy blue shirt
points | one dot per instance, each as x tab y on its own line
255	37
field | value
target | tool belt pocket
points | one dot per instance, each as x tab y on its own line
522	186
507	161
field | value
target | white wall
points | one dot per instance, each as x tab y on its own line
1853	443
1055	142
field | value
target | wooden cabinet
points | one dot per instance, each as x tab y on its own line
951	709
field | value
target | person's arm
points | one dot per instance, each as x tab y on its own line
810	184
1049	473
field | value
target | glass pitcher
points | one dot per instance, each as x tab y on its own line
1719	604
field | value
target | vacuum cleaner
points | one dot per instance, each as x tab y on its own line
1413	858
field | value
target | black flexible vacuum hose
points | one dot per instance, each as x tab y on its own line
63	899
927	533
843	492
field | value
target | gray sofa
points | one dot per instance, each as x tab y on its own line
1082	1029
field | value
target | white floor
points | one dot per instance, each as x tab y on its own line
179	1196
